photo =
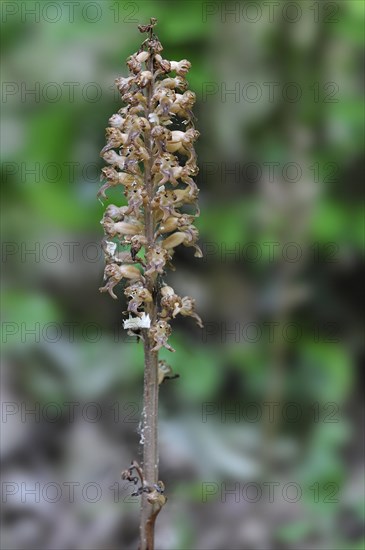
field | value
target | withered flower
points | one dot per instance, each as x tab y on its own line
114	273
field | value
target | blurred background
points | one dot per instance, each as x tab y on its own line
261	436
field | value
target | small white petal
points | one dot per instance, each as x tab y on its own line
110	247
137	322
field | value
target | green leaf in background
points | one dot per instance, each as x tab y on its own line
329	369
294	531
19	307
332	224
199	369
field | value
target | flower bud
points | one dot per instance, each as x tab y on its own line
130	272
142	57
116	213
121	228
173	240
167	291
116	121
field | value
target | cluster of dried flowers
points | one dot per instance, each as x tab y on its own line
150	152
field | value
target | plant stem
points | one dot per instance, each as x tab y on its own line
150	444
150	389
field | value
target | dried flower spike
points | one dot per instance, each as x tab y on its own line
151	158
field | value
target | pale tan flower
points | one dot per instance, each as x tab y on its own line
180	67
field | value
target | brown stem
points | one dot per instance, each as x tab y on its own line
150	443
150	390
